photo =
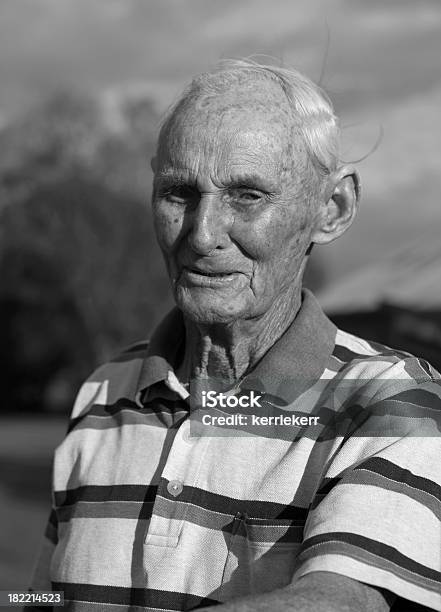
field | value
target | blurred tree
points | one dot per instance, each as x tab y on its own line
81	276
112	145
81	273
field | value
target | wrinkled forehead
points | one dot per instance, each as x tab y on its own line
252	122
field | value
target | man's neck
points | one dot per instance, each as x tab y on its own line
228	352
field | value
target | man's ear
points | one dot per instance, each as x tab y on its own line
340	205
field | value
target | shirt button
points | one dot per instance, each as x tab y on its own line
175	487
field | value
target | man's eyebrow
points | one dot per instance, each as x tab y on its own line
173	174
177	176
254	181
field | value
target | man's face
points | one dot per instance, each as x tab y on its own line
232	208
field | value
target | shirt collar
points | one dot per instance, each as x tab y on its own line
294	363
163	350
297	360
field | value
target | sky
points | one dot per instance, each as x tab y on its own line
379	61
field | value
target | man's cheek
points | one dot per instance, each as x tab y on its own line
263	281
168	229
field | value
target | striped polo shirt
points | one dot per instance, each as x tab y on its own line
159	506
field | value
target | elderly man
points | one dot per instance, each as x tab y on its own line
251	455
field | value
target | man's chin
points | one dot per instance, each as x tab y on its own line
208	310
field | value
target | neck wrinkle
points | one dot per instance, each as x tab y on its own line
229	352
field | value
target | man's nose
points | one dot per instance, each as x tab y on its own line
210	225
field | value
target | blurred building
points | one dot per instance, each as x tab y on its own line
396	302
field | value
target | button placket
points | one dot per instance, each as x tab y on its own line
164	530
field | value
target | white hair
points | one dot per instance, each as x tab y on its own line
311	107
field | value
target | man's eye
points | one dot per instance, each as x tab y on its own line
179	194
247	196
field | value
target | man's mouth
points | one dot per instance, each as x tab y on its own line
210	278
212	274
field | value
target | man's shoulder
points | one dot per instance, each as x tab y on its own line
136	350
122	363
381	392
368	358
113	380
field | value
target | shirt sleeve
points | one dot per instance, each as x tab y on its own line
41	575
376	516
92	391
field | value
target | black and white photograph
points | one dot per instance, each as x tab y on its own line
220	305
